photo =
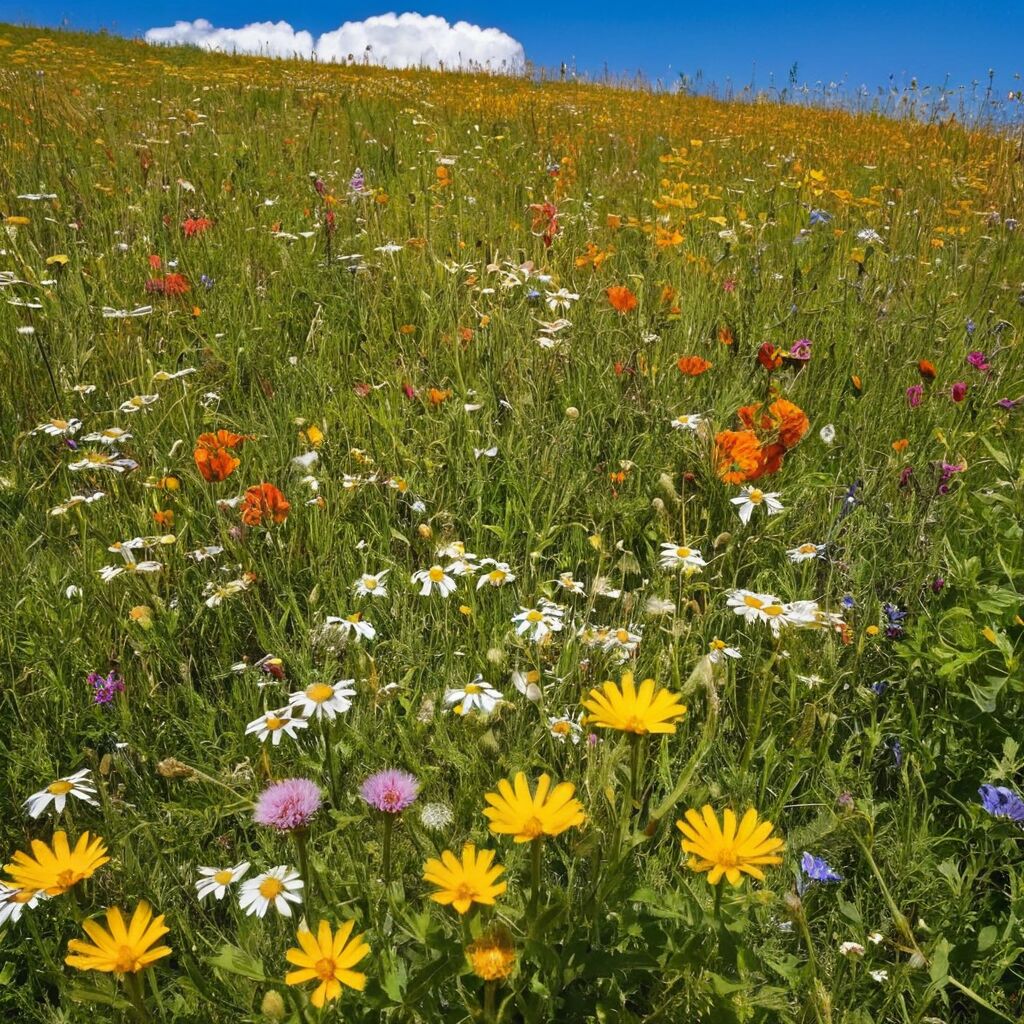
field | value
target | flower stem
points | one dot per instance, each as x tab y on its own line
303	855
389	825
535	854
490	988
134	991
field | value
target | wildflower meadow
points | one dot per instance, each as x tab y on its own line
481	548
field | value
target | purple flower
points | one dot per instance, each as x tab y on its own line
914	395
207	281
978	361
820	217
938	584
958	392
879	688
949	470
969	327
105	688
896	748
847	601
287	805
390	791
905	474
801	350
1002	802
845	801
1009	403
817	869
357	183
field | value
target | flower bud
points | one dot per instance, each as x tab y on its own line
273	1005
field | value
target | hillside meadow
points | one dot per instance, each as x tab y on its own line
480	548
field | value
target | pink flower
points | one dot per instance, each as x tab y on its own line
914	395
287	805
958	392
390	791
978	361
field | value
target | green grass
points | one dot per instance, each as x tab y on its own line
289	336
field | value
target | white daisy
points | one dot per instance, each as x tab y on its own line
433	577
372	584
528	684
565	727
350	626
137	402
324	700
216	881
687	421
805	552
110	572
622	639
751	606
497	576
110	435
540	622
57	793
101	460
275	888
718	651
478	695
573	586
679	557
58	428
276	724
754	496
14	902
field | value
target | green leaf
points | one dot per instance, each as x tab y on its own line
237	961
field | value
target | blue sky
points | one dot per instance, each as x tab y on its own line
863	42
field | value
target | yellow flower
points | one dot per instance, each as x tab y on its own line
463	883
728	850
330	958
630	710
493	955
515	811
122	950
56	870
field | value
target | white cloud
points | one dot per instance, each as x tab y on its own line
394	40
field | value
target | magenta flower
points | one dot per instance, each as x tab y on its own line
105	688
914	395
978	361
287	805
958	392
801	350
390	791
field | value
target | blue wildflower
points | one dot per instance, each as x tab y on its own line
879	688
817	869
1002	802
820	217
896	749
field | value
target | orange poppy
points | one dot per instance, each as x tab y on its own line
783	416
439	395
693	366
215	456
621	298
769	460
264	504
926	369
769	356
737	455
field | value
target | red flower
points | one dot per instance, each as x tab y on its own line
169	284
621	298
196	226
264	504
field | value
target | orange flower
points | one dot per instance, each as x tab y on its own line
196	226
769	356
725	335
215	456
900	445
926	369
164	517
789	420
621	298
437	395
693	366
264	504
769	460
737	455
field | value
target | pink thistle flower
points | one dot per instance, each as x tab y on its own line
287	805
390	791
958	392
914	395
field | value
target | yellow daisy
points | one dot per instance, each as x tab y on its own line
462	883
515	811
643	711
725	849
329	958
55	870
121	950
493	956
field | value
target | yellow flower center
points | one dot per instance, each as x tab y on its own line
274	723
752	602
224	876
59	424
496	575
773	610
533	828
319	692
127	962
436	574
354	617
726	857
22	896
807	549
325	968
622	636
636	724
67	878
60	787
474	688
465	891
683	552
271	888
534	616
717	645
370	582
755	497
560	728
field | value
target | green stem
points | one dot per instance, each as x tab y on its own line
490	989
535	855
302	851
389	825
133	989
